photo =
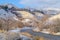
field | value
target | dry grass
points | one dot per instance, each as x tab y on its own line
26	34
53	24
4	35
25	14
40	23
9	24
39	38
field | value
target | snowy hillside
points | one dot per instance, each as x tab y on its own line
51	11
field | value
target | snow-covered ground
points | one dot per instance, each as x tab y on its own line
45	31
7	15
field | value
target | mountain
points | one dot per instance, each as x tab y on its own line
51	11
12	17
8	20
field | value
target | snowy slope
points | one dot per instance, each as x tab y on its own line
51	11
7	15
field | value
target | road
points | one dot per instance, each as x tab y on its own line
48	36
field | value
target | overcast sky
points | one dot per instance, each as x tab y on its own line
34	3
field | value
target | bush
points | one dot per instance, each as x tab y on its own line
4	35
53	24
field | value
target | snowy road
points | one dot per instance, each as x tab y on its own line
48	36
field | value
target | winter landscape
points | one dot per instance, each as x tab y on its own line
29	23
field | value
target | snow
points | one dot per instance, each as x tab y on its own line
15	30
36	29
53	20
2	12
26	20
57	33
57	9
51	11
27	28
10	6
23	37
20	29
45	31
16	18
7	15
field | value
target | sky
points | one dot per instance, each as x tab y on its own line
38	4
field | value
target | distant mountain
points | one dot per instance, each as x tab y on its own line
51	11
